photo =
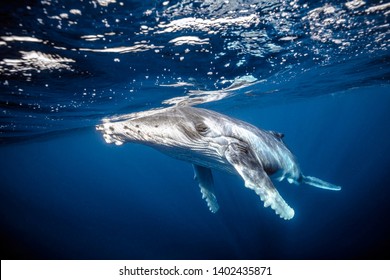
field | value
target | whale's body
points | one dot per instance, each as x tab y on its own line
210	140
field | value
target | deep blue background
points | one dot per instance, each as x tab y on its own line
318	71
75	197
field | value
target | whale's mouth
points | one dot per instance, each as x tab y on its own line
112	132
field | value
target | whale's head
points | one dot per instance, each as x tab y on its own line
164	128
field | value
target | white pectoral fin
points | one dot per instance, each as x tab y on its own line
318	183
257	179
206	183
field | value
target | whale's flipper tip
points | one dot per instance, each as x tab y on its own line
318	183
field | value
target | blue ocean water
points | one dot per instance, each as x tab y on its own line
317	71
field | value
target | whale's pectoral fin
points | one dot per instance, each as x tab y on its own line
251	170
206	183
318	183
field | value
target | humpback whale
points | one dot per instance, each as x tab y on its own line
210	140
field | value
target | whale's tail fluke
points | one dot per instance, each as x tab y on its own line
318	183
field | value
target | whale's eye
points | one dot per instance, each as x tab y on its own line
202	128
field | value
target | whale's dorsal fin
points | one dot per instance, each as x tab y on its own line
241	157
278	135
206	183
